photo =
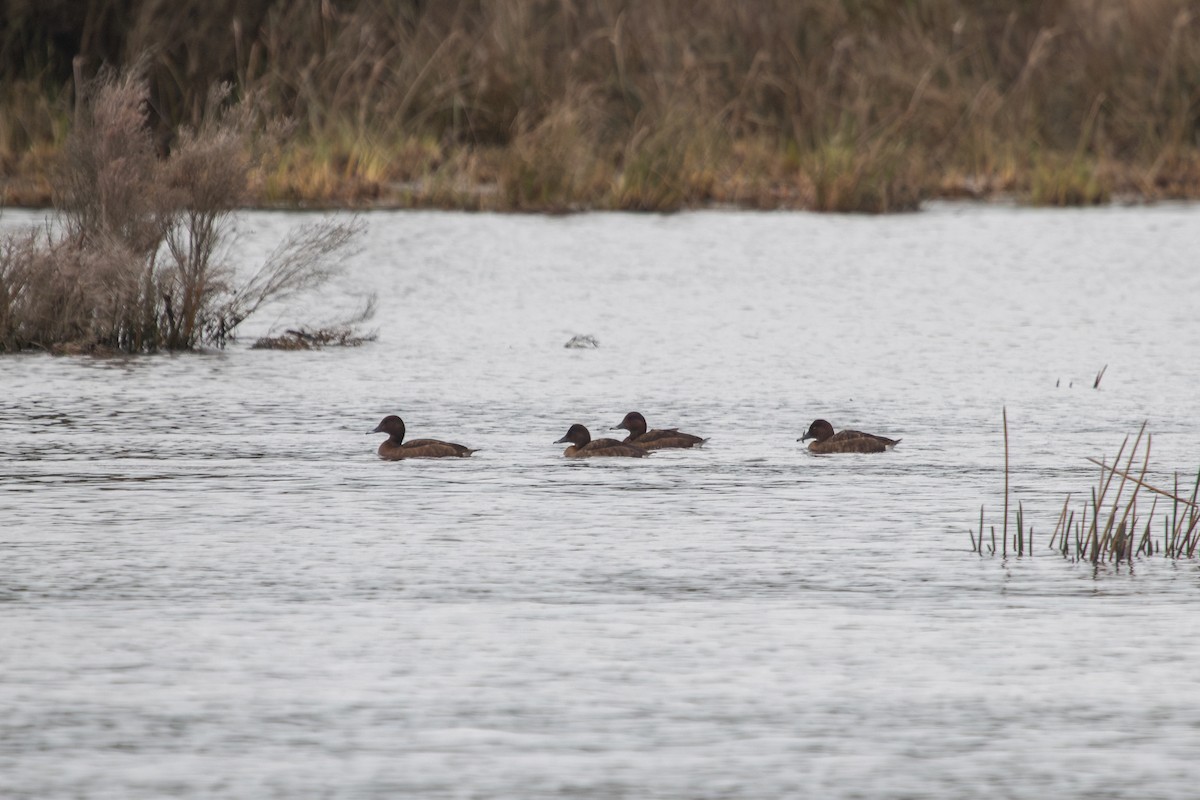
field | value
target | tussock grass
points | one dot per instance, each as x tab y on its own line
844	104
136	262
1068	182
1109	526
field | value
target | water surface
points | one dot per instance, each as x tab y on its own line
212	587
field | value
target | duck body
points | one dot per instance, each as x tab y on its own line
396	449
635	423
582	445
848	441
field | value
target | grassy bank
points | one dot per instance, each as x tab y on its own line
558	105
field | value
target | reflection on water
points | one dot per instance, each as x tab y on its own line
210	586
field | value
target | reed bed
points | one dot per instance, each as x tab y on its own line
558	105
1108	526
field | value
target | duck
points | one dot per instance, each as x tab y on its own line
826	441
635	423
396	449
583	446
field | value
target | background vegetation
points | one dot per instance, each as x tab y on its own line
564	104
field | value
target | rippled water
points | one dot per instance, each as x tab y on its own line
211	587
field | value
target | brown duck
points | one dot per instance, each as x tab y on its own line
635	423
826	441
583	446
395	448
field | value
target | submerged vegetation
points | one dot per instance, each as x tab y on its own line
556	105
1108	526
347	333
135	261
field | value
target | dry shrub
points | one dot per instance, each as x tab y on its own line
138	265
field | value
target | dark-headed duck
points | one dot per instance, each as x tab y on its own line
583	446
635	423
395	448
826	441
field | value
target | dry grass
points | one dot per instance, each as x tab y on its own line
136	263
563	104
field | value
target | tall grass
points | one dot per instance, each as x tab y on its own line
847	104
136	262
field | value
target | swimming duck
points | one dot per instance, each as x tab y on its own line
395	448
826	441
583	446
635	423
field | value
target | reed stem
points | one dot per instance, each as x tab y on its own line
1005	416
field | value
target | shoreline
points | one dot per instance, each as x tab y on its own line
457	193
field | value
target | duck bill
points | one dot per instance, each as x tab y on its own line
620	427
376	429
563	440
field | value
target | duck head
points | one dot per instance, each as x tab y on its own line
819	430
576	435
393	426
634	422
